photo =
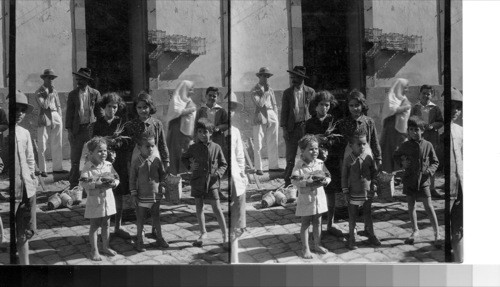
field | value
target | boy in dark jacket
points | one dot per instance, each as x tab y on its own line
419	160
206	162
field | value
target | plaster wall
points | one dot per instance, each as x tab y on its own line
409	18
194	19
259	37
456	45
44	40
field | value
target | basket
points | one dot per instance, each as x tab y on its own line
66	199
385	185
340	200
76	194
290	193
268	200
173	189
54	201
280	198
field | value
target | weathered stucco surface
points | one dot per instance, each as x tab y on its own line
259	37
44	40
411	18
456	45
194	19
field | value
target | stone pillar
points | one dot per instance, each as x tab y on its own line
79	34
296	50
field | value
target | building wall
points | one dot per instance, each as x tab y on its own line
194	19
456	45
259	37
3	49
43	40
409	18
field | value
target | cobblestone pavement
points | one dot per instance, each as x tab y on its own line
62	237
273	233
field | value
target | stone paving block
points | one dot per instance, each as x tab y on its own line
438	255
137	258
246	258
39	244
270	241
294	246
365	250
410	260
52	258
58	243
377	257
287	238
65	251
263	257
407	247
254	251
350	255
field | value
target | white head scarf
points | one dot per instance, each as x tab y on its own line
180	101
395	99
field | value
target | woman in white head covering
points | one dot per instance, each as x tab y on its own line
180	124
395	114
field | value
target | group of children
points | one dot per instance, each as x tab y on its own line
343	155
139	168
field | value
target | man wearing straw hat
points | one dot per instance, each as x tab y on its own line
49	123
265	122
81	111
25	181
294	113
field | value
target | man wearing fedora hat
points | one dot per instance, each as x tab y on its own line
265	122
49	123
294	113
25	181
81	111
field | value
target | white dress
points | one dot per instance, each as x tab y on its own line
100	202
310	200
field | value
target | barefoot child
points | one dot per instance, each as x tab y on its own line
419	160
146	173
206	161
358	184
309	176
98	178
428	112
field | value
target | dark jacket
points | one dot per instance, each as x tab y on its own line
73	105
423	163
288	111
212	165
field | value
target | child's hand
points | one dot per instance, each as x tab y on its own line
325	181
194	165
405	162
133	201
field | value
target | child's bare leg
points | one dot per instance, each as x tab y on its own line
140	212
200	215
95	223
353	214
105	237
155	215
367	211
316	219
429	208
220	218
234	249
331	227
412	212
304	237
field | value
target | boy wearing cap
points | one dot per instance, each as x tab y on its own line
295	110
25	181
49	123
81	111
238	181
265	122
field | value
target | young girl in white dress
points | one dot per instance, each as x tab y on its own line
310	176
98	178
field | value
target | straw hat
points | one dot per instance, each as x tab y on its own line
48	73
233	101
456	95
264	71
22	99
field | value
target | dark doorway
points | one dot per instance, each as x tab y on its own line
326	54
108	45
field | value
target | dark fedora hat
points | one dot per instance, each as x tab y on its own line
48	73
299	71
84	73
264	71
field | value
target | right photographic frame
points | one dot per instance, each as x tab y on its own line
346	131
